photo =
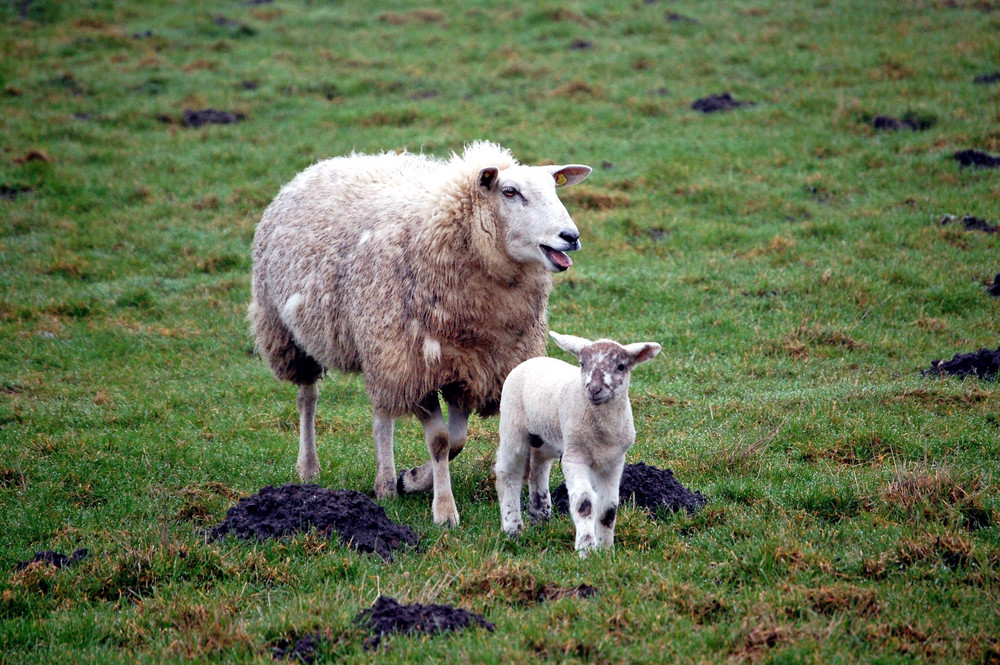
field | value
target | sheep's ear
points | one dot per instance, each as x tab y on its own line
570	343
570	174
642	352
488	179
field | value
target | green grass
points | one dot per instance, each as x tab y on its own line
786	255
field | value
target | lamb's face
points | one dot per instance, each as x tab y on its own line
605	368
539	230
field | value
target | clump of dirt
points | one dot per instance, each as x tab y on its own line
303	649
984	363
193	118
911	121
994	288
55	558
987	78
277	512
388	616
971	223
723	102
11	192
647	487
977	158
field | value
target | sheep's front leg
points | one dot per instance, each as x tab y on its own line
510	466
385	463
421	478
582	500
607	504
308	462
436	435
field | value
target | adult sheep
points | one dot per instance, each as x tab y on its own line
427	276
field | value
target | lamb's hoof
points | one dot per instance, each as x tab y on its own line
513	531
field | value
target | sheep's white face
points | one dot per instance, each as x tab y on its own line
539	229
605	365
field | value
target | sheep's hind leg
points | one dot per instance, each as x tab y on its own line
539	499
436	435
421	478
308	463
385	463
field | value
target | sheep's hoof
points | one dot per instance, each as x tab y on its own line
447	517
418	479
385	488
308	472
513	531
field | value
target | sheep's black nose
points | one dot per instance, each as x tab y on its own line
570	236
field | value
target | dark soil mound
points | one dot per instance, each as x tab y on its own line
55	558
210	117
971	223
723	102
987	78
275	512
387	616
303	649
912	121
994	288
984	363
977	158
647	487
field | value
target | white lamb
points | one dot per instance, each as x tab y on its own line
551	409
427	276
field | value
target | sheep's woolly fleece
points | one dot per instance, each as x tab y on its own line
464	313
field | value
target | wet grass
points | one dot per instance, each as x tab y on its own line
787	255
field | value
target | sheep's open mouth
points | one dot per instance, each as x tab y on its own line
559	260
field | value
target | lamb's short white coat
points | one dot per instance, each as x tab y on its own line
551	410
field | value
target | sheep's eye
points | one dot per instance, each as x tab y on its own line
509	192
621	367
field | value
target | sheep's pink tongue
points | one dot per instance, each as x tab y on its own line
560	259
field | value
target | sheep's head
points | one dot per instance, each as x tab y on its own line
605	365
537	227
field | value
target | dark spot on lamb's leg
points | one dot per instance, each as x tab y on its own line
610	514
535	441
583	510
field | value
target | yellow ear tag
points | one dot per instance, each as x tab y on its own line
560	180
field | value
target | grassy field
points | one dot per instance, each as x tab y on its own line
787	255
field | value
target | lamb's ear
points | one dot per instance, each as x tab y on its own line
487	179
569	174
642	351
570	343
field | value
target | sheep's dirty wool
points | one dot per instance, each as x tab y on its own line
276	512
647	487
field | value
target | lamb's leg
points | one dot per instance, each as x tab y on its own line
385	464
436	435
581	504
308	463
539	500
607	505
421	478
510	467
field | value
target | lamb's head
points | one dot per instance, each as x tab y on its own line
538	228
605	365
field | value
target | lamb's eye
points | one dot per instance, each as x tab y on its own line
509	192
621	367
